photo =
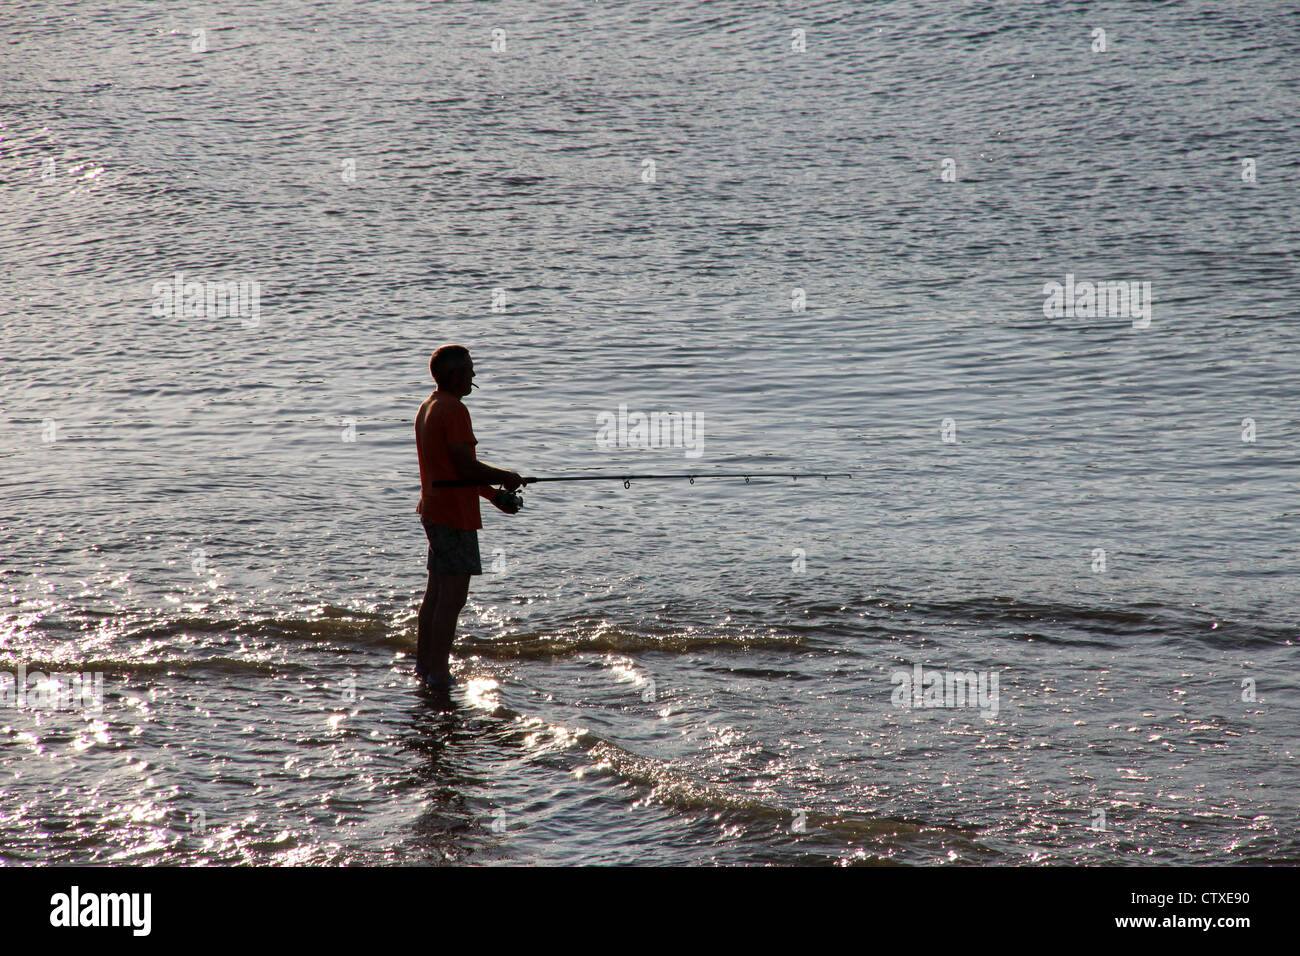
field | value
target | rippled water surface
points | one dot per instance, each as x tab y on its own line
619	206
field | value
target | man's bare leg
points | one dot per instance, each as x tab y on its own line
424	655
453	590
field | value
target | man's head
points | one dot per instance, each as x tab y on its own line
452	369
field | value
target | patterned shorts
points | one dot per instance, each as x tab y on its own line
452	550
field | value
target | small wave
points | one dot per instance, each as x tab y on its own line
531	646
111	666
1083	625
672	787
668	784
347	627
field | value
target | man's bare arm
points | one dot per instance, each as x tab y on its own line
469	468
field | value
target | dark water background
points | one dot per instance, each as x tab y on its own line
650	676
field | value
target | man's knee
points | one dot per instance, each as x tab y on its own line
453	591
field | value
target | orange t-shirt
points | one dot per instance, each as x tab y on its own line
443	420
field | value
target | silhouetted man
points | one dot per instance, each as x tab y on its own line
445	444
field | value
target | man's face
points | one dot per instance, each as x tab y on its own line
461	378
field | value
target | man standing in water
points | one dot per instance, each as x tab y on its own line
445	444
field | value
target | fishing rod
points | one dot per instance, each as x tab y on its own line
510	497
628	479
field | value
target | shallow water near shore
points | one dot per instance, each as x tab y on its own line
217	513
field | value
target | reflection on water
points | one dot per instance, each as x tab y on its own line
217	515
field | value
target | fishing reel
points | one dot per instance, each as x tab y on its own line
508	500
